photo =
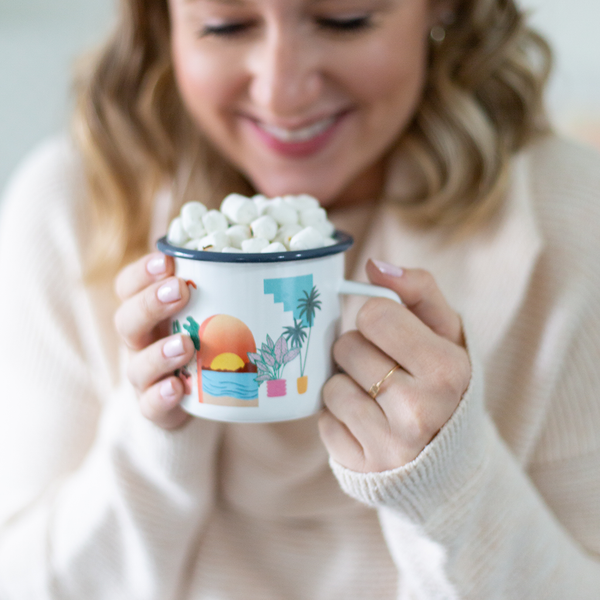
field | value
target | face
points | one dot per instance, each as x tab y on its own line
303	96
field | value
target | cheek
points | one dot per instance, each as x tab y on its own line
207	83
389	73
395	75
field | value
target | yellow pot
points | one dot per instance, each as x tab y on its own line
302	384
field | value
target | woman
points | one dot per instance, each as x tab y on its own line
469	470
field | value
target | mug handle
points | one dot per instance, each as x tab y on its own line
365	289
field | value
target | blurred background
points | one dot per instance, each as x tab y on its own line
40	40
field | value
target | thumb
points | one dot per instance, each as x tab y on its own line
420	293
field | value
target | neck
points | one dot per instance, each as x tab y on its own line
364	189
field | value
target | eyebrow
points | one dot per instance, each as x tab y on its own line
232	2
235	2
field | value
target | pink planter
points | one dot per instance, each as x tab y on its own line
276	387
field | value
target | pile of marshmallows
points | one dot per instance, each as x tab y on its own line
257	224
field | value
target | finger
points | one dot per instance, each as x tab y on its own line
420	293
339	442
400	334
138	316
365	362
350	405
160	404
143	272
156	361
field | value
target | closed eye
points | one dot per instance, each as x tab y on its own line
354	23
226	29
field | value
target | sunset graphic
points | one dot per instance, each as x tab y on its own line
225	374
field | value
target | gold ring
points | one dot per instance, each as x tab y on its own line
374	389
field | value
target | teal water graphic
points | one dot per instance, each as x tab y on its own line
225	383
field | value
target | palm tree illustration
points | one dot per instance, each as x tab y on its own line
308	305
296	335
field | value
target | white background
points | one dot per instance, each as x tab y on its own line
40	40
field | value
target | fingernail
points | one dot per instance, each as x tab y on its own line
167	391
388	269
174	347
169	292
157	265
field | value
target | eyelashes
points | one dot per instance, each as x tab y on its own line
237	28
225	29
351	24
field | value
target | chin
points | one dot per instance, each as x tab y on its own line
325	192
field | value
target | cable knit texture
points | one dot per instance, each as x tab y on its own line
504	503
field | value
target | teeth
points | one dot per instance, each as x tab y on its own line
298	135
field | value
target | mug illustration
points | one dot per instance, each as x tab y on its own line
299	295
228	366
225	375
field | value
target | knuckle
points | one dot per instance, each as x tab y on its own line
344	344
357	410
334	387
421	424
373	313
133	375
426	279
118	323
147	408
452	372
148	305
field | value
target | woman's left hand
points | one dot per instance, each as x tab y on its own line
424	337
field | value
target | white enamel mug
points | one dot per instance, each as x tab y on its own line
263	326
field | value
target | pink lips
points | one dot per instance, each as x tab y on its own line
297	149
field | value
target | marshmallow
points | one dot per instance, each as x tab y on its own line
192	245
301	202
286	233
306	239
311	216
215	242
254	244
282	212
177	234
265	227
213	221
325	228
237	234
191	219
239	209
291	222
261	203
274	247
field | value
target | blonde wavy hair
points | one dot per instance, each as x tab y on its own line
483	101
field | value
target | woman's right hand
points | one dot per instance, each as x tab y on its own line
150	295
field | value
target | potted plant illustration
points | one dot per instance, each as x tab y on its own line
184	373
307	305
270	360
296	335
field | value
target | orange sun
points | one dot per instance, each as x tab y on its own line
224	343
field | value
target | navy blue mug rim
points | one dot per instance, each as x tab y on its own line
344	241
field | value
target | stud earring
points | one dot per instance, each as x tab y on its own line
437	34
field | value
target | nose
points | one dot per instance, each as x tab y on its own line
285	73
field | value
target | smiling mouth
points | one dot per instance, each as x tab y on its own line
302	134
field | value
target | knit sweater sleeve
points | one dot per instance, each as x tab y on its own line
96	502
466	520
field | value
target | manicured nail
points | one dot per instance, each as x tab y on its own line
167	391
169	292
388	269
157	265
174	347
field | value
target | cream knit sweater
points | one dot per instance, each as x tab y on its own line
97	503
